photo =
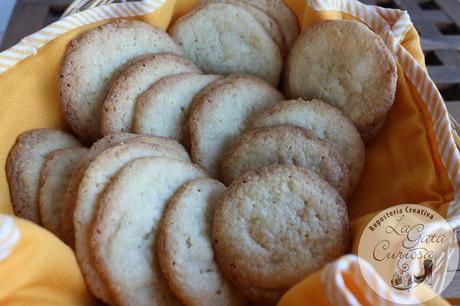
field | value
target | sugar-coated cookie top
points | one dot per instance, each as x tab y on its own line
221	112
90	62
276	225
185	248
24	163
347	65
126	228
325	122
287	145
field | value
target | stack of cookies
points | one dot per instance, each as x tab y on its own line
192	179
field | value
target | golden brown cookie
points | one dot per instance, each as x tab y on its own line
95	178
119	105
283	16
24	163
325	122
221	112
162	110
90	62
54	180
224	38
347	65
286	145
276	225
184	247
125	232
74	181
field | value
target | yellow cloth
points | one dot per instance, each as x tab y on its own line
40	270
311	291
402	166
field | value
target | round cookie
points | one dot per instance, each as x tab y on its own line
221	112
325	122
125	232
164	107
24	163
96	177
54	179
282	15
184	247
276	225
67	230
92	59
99	146
267	22
119	105
224	39
287	145
361	82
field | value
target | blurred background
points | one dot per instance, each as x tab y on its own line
6	8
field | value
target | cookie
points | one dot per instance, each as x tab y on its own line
24	163
325	122
54	179
221	112
287	145
92	59
118	107
374	129
125	232
71	192
96	177
99	146
262	297
185	251
267	22
282	15
347	65
224	39
164	107
276	225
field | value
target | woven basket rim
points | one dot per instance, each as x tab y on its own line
81	5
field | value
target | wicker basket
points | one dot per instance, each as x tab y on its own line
81	5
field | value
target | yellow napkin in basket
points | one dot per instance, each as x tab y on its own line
402	164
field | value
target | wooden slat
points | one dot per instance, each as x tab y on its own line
451	8
409	5
45	2
427	29
453	290
448	57
454	109
444	42
430	16
25	20
30	16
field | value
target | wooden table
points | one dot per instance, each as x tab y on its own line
438	22
30	16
